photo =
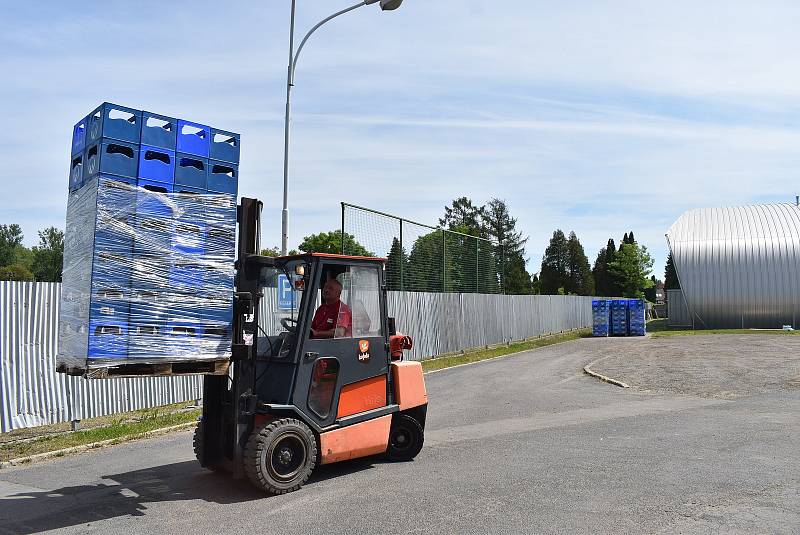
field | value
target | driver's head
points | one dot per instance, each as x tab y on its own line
331	291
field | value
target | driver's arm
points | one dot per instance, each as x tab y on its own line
323	334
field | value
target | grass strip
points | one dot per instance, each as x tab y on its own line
152	419
449	361
660	329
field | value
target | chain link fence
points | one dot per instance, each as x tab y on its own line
423	258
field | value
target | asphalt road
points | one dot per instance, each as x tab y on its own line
523	444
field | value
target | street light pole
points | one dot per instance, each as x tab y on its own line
386	5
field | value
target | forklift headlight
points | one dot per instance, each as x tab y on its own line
300	270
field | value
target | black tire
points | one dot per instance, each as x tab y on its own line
280	456
405	438
197	443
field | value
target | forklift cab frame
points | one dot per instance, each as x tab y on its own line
295	400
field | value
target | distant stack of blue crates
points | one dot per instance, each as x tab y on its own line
636	317
149	246
600	312
618	317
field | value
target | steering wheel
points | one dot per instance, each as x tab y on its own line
290	324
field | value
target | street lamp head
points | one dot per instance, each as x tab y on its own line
386	5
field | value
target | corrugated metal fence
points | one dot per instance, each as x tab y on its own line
32	393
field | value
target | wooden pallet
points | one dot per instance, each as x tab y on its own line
209	367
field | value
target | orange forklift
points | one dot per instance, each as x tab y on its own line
318	374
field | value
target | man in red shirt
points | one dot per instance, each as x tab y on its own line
333	318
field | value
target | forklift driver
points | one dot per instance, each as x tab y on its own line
333	318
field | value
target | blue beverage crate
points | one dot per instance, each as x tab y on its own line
79	137
76	172
159	131
114	122
202	309
220	209
224	146
191	170
110	157
219	279
191	203
187	275
619	317
114	232
152	198
109	305
108	339
600	317
221	241
153	236
150	272
223	177
636	317
111	270
116	195
148	306
157	164
189	239
193	138
147	340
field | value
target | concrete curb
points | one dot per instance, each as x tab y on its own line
94	445
590	372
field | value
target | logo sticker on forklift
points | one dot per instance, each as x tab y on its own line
363	350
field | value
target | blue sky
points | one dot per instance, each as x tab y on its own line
598	117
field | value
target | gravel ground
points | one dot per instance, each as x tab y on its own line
725	366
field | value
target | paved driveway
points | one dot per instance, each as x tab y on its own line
524	444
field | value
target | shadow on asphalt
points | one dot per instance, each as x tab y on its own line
130	492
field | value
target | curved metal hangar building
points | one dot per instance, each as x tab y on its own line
739	267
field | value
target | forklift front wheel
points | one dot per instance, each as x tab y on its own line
280	456
405	438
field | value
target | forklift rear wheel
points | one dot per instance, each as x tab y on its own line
405	438
280	456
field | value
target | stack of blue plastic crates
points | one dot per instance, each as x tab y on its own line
600	314
149	246
636	317
619	317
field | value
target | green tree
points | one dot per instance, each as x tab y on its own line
331	242
48	256
555	264
536	285
650	293
276	252
671	281
463	216
425	264
604	283
500	227
396	265
632	267
517	279
15	272
579	275
10	239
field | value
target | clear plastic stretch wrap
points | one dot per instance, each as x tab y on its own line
148	276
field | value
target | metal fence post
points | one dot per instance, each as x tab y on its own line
342	228
401	255
444	261
502	269
477	262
